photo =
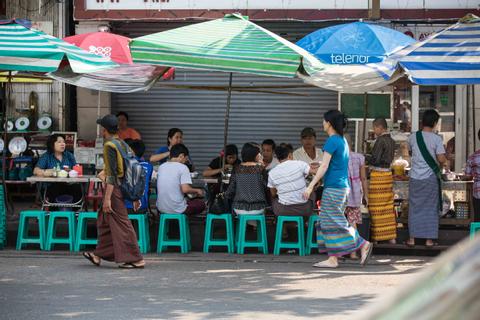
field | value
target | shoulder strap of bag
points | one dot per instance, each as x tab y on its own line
426	155
119	148
432	164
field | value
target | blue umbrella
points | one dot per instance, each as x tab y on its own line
354	43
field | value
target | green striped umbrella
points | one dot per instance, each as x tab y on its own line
26	49
30	50
230	44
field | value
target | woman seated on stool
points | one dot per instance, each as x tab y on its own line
56	155
248	183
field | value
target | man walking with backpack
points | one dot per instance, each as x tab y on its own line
117	240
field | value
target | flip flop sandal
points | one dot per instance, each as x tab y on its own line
89	257
364	261
324	265
409	244
434	244
129	265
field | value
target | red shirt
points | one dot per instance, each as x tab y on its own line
129	133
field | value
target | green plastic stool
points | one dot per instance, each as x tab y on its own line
143	233
51	236
22	235
300	244
474	226
261	241
81	235
311	232
163	241
209	241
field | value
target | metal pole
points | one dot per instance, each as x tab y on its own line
227	116
4	123
98	114
365	111
474	120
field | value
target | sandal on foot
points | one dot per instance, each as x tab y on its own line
325	264
354	256
130	265
409	244
434	244
366	254
90	257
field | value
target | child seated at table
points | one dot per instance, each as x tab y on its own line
174	183
138	148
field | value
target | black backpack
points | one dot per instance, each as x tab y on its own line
134	175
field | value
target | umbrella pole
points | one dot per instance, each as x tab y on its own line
364	130
4	123
227	116
474	120
98	113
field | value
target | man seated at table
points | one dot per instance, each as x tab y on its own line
57	157
138	148
287	184
124	132
174	183
215	169
268	153
231	159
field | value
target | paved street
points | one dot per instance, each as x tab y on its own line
60	285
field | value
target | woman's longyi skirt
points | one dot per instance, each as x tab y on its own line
380	206
334	235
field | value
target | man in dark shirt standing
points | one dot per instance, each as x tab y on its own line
380	194
117	240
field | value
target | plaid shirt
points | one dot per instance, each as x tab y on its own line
473	169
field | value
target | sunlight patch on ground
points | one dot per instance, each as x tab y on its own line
227	271
71	314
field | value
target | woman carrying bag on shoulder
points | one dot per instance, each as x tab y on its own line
428	156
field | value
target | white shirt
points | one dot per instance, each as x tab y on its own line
170	177
301	155
272	164
289	179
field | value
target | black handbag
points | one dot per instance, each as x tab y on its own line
219	204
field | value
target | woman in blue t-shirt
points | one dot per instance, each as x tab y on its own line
335	235
174	136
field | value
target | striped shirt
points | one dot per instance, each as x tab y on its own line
289	179
473	169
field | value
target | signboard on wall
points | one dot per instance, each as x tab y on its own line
304	10
272	4
420	31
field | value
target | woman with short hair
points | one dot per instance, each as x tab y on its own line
248	182
424	195
57	157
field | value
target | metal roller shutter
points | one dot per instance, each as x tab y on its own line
200	113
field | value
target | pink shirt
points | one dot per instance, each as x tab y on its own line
355	162
473	169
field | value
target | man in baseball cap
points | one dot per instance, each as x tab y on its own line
117	240
109	123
